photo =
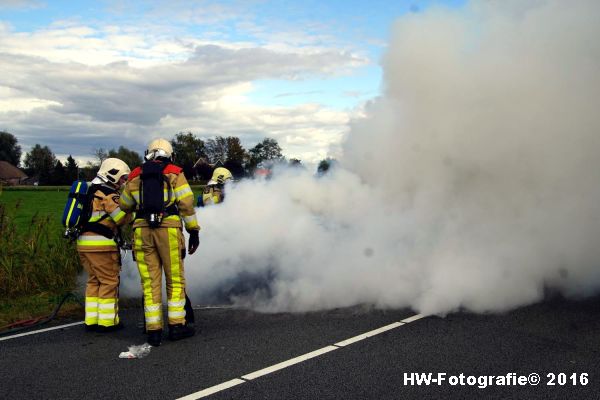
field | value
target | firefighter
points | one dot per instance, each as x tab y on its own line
162	199
98	249
214	191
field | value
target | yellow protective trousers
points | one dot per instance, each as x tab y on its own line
102	289
161	250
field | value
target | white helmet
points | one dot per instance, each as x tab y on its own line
220	176
112	170
159	148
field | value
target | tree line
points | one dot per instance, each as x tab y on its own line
197	156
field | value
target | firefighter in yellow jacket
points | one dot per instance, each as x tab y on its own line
163	200
214	191
98	250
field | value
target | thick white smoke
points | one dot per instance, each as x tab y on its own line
474	183
489	138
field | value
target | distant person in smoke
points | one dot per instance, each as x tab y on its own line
162	198
214	191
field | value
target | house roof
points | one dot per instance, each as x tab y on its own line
9	171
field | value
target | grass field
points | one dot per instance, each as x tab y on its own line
29	204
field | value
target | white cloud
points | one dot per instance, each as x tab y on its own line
72	42
72	82
11	100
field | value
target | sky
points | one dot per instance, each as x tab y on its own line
78	76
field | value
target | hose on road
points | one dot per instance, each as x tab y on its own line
35	322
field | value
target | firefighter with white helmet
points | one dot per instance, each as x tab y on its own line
159	148
214	191
98	249
163	200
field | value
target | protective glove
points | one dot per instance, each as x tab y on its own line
193	242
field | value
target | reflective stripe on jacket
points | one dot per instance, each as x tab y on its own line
212	195
105	211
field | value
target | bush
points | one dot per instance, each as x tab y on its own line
37	259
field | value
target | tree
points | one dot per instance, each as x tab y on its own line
267	150
100	154
40	162
9	149
325	165
89	171
295	163
130	157
237	157
271	150
235	150
236	168
188	148
59	174
72	169
216	150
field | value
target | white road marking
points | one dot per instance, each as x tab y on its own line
212	390
215	307
40	331
413	318
296	360
288	363
368	334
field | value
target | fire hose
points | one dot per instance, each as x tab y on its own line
38	321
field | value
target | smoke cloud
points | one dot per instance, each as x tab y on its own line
472	184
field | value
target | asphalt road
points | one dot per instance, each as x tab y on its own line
553	337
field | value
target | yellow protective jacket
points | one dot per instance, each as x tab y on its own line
178	191
106	212
213	194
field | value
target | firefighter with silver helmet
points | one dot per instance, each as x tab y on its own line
214	191
98	250
163	200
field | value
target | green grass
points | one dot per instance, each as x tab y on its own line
29	204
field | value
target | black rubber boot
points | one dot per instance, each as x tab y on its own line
90	328
181	331
189	311
155	337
